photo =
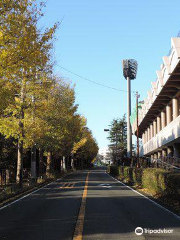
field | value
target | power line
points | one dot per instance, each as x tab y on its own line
86	79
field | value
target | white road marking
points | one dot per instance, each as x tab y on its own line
175	215
21	198
105	185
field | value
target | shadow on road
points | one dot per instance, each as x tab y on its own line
112	212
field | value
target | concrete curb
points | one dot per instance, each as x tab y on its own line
28	192
148	198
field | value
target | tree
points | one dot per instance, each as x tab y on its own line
25	54
88	150
118	138
38	110
61	121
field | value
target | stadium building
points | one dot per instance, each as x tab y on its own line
159	116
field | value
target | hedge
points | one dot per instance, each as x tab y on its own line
123	173
128	174
137	176
154	179
157	181
173	185
113	170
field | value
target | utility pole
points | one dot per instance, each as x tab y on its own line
137	132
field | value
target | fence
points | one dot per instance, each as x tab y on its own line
169	163
8	176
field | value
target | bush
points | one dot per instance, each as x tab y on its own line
128	175
121	173
162	183
154	180
137	176
114	170
173	185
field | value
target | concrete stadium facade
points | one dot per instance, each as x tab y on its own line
159	117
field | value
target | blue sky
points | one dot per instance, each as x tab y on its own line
93	39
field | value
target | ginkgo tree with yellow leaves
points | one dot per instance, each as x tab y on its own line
37	108
25	53
86	149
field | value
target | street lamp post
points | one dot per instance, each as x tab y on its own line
129	72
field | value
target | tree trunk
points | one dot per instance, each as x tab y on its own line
19	163
61	164
1	177
64	164
7	176
20	141
49	164
33	163
41	163
67	163
72	164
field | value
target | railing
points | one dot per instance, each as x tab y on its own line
168	163
8	176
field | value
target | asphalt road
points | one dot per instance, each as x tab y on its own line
110	210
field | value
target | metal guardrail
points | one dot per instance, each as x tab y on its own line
169	163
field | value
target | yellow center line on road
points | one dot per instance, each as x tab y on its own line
78	233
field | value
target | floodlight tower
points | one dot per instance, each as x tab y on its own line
129	72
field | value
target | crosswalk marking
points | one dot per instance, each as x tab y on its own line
67	185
